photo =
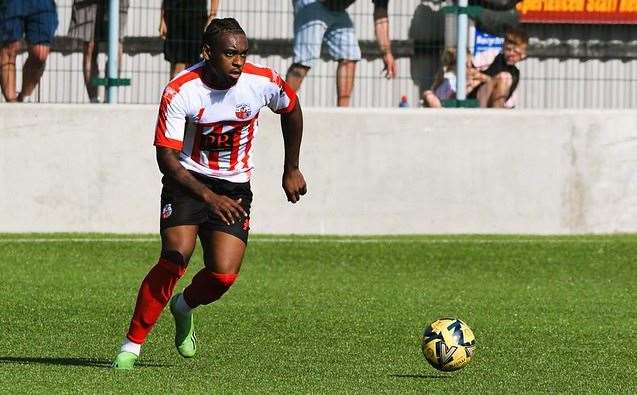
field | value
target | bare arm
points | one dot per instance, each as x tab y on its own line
227	209
163	28
214	7
381	29
293	181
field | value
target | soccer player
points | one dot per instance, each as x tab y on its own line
204	141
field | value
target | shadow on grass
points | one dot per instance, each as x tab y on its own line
68	361
419	376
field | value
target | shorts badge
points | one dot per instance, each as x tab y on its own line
166	211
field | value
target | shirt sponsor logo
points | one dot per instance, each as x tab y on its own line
218	142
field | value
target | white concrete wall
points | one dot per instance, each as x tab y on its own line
92	168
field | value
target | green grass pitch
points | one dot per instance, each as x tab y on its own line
328	315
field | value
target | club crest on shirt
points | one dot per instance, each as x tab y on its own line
242	111
166	211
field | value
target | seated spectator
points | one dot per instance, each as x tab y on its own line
444	85
89	23
35	20
499	90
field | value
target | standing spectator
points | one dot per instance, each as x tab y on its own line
180	26
499	90
89	23
444	85
318	21
36	21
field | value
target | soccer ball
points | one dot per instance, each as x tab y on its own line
448	344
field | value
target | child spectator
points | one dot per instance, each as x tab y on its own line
444	85
498	91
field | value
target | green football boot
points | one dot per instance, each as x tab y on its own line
124	361
185	339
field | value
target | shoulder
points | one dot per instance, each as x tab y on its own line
186	78
260	72
263	76
449	75
485	58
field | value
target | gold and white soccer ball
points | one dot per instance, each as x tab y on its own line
448	344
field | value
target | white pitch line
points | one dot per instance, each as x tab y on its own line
317	240
76	240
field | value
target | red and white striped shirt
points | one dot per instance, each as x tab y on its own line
214	129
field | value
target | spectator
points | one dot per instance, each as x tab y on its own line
180	26
444	85
318	21
35	20
89	23
499	90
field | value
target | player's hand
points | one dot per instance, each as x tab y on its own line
229	210
163	29
390	65
294	185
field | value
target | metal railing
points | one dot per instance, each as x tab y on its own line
570	65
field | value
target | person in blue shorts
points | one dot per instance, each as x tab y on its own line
35	21
318	22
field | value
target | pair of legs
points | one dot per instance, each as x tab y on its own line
316	25
345	73
223	254
90	67
495	91
31	71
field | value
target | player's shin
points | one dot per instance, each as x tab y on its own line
154	293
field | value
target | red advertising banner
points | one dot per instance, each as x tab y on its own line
578	11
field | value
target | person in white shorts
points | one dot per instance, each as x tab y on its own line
318	22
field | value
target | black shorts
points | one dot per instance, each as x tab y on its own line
180	207
185	21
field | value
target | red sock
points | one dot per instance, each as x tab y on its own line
206	287
154	294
